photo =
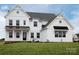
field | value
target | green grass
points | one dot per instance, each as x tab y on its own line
24	48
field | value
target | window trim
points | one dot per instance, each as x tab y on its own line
58	35
32	35
35	23
24	22
10	22
17	12
10	34
18	36
38	35
17	22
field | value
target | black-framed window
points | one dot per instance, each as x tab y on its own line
10	22
10	34
32	35
30	18
60	33
64	33
17	34
60	21
56	33
24	22
38	35
35	23
43	26
17	22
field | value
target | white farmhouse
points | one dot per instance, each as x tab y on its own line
33	26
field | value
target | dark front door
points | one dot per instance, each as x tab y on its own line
24	35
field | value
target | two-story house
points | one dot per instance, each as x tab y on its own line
33	26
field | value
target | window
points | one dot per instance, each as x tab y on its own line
30	18
17	12
32	35
60	21
10	34
24	22
64	34
56	33
43	26
17	22
38	35
10	22
17	34
35	23
60	33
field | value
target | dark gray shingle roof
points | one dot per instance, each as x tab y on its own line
42	16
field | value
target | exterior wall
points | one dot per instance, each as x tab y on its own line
21	16
50	35
37	29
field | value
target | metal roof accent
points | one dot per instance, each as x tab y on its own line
61	27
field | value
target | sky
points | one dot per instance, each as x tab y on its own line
69	11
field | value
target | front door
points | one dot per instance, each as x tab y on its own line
24	35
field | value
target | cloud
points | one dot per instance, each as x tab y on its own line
36	7
4	7
2	24
75	21
2	27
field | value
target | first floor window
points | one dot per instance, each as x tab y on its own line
64	33
56	33
38	35
32	35
60	33
10	34
17	34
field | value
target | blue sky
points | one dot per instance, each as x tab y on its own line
70	12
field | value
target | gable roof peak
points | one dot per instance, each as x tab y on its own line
60	14
17	6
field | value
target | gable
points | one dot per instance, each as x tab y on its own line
17	12
60	21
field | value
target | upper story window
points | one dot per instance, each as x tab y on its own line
35	23
30	18
24	22
17	22
10	22
10	34
60	21
32	35
38	35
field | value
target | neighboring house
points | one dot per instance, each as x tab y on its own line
33	26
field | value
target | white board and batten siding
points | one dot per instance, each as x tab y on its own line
49	33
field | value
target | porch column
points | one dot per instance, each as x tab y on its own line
21	35
13	35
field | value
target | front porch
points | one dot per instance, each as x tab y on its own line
17	33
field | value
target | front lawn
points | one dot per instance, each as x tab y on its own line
24	48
